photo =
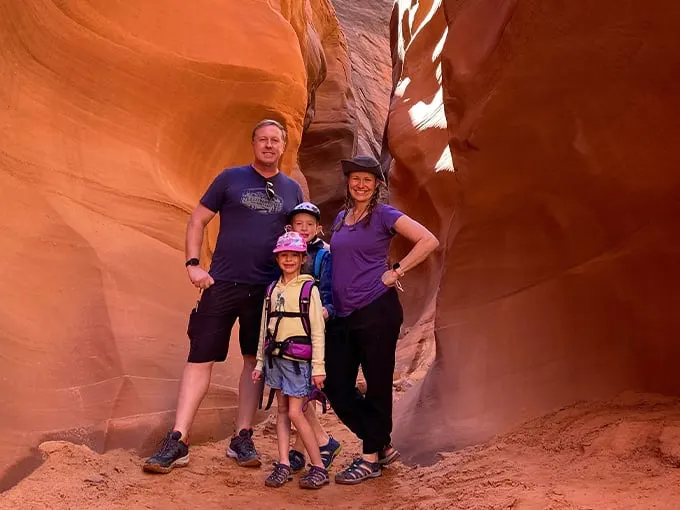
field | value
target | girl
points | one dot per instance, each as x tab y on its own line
369	314
291	353
305	219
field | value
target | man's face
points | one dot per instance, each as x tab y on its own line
268	145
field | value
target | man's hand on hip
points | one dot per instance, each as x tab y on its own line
200	277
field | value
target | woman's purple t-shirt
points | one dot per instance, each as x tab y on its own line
360	254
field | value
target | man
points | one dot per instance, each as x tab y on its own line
253	202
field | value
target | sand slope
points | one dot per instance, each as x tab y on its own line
620	454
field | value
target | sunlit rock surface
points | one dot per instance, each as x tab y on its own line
559	277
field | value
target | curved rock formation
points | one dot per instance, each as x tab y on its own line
536	139
347	109
115	117
559	223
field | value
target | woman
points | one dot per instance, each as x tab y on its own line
368	313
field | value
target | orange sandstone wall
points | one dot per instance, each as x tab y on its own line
538	140
115	116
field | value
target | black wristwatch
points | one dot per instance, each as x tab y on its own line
191	262
396	268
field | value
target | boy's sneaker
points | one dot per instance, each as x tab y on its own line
315	478
279	476
329	452
173	453
297	460
242	448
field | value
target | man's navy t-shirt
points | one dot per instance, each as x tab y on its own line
250	223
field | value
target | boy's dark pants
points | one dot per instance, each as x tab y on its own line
367	337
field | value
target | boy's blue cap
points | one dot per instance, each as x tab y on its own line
307	208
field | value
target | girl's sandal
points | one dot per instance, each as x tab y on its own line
388	455
315	478
358	471
279	476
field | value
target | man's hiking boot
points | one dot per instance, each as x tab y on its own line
279	476
173	453
243	449
329	452
315	478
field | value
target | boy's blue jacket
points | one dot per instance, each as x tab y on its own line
324	277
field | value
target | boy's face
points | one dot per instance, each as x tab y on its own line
305	225
290	261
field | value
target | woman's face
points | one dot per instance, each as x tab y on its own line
361	186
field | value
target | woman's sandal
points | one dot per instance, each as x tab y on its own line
388	455
358	471
279	476
297	460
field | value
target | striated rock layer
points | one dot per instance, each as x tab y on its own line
540	137
115	117
348	107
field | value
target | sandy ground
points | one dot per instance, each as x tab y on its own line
621	454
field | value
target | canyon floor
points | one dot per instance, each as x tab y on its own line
619	454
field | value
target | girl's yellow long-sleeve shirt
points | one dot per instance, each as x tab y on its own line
292	326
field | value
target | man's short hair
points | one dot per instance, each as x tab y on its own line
271	122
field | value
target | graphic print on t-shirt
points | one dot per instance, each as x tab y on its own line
250	223
256	199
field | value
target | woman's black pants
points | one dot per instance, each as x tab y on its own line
366	337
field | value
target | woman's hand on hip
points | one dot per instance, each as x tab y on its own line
389	278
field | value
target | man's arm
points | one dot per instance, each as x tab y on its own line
195	228
193	242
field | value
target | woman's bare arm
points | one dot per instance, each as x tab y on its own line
424	242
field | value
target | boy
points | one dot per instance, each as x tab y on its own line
305	219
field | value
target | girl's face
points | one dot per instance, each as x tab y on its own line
306	225
361	186
290	262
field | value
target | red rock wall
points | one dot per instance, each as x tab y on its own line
347	109
115	116
559	224
535	139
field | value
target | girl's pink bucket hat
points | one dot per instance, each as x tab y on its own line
291	241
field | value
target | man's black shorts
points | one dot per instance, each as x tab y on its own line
211	322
